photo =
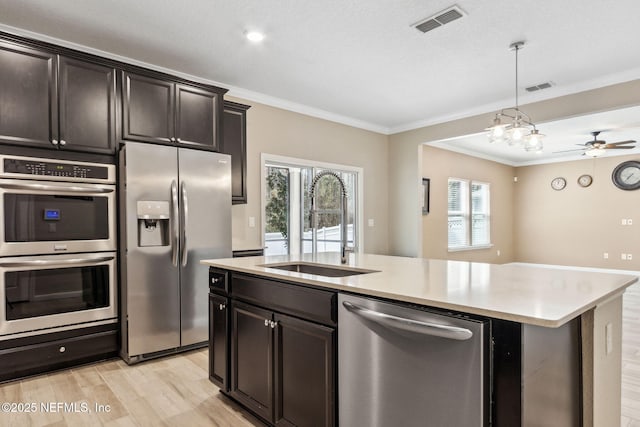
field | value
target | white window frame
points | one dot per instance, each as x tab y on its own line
468	217
266	158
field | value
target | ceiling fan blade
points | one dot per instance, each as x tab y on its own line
567	151
631	141
619	147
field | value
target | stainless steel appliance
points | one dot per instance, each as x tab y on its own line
176	210
405	366
55	206
56	292
57	245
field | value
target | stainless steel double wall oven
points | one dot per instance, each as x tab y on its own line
57	245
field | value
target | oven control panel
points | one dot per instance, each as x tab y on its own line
56	169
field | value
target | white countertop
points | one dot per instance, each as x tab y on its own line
534	295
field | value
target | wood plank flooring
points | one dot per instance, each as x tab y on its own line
172	391
175	390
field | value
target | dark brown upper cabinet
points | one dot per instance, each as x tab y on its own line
166	112
234	142
55	101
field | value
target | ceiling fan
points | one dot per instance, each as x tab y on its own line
597	146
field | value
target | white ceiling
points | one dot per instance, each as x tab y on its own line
360	62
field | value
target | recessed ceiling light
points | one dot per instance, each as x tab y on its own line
255	36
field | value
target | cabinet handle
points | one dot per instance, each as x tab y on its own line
273	324
179	140
63	142
172	139
62	349
54	141
266	322
222	307
215	280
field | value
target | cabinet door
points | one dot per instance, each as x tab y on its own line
87	106
218	372
147	109
197	116
234	142
251	358
28	108
304	373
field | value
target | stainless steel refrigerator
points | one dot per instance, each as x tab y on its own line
175	209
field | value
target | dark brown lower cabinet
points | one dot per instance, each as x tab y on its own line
218	329
304	373
282	367
252	358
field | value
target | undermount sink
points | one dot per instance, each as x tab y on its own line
319	269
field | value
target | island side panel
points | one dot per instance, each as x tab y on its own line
551	371
606	351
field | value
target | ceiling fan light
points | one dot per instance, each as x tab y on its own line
595	152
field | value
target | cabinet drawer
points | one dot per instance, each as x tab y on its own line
218	281
307	303
36	358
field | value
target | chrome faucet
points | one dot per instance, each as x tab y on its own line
343	208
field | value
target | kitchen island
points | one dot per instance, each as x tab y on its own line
534	309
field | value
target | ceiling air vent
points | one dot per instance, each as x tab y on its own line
439	19
541	86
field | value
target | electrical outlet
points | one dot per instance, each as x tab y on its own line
629	257
252	221
623	257
605	255
371	222
623	221
629	221
498	252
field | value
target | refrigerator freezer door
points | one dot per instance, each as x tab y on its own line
151	280
205	196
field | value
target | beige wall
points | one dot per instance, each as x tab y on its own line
405	224
533	223
279	132
438	165
577	225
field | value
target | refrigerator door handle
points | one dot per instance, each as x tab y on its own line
175	225
185	216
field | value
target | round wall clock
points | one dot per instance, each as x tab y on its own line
585	180
558	183
626	175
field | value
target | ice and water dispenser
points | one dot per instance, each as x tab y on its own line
153	223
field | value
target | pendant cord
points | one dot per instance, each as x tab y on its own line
517	49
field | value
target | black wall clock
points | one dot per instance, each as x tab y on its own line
626	175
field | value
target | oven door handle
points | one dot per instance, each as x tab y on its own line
56	263
185	215
175	225
47	188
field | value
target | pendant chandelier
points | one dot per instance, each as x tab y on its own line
513	125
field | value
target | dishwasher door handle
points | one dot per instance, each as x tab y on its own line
434	329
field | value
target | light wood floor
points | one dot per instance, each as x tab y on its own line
175	391
172	391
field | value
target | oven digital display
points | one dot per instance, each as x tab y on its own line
51	214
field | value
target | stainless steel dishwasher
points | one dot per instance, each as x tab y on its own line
404	366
